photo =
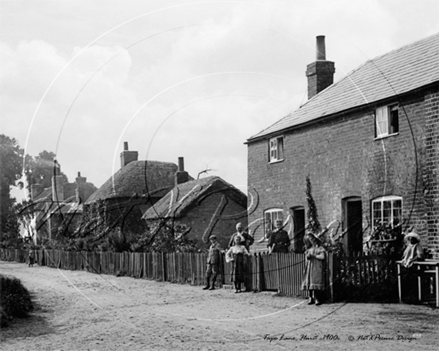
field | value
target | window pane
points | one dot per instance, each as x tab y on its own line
386	212
381	121
280	148
397	210
394	119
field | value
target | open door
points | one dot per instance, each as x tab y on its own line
299	220
352	225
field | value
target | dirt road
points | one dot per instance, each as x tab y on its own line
77	310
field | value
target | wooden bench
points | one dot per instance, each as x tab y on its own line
430	267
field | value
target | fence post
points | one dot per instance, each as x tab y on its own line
164	267
331	277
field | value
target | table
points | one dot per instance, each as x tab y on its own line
433	267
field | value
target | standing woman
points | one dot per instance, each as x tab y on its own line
314	277
236	255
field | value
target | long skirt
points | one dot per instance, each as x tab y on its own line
314	275
237	269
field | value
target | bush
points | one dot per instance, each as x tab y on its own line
15	300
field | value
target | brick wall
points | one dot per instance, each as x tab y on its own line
343	159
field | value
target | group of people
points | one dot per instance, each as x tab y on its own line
279	242
239	245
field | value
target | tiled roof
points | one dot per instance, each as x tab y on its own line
185	195
137	178
397	72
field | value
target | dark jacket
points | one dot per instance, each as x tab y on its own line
248	240
281	240
214	254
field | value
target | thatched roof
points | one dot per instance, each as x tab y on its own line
184	196
138	178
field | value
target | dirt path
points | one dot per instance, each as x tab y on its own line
82	311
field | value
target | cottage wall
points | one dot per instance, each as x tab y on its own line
203	221
343	159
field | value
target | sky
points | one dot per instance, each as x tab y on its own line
176	79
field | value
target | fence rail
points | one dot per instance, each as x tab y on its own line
357	277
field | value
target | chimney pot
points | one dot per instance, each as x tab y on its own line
125	145
181	165
320	48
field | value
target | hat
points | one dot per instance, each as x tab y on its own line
212	237
412	235
310	233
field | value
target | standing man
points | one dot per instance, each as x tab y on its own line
246	239
213	262
279	240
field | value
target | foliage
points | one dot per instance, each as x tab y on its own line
389	231
15	300
11	158
166	236
312	213
42	168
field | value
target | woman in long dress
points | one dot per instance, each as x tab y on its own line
314	276
236	255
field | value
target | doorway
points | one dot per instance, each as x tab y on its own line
299	227
352	208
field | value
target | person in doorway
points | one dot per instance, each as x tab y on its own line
279	240
314	275
236	255
213	263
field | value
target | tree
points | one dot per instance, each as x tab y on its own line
41	169
11	164
312	214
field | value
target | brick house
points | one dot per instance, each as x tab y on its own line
208	206
369	144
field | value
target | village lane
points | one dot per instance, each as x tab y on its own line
76	310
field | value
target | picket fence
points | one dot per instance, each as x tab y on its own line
349	278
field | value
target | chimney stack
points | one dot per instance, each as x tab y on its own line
181	175
319	73
128	156
57	183
80	188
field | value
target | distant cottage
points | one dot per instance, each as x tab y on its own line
57	211
135	187
209	206
368	142
141	193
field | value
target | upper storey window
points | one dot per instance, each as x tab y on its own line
276	149
387	121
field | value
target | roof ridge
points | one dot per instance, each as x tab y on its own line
369	83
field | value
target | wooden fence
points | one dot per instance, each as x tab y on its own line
349	278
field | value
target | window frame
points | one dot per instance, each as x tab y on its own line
391	209
276	147
386	121
273	218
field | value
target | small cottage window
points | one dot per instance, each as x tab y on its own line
386	210
387	121
270	216
276	149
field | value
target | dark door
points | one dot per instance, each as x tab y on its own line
299	217
353	225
